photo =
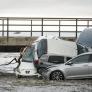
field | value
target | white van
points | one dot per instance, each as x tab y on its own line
44	46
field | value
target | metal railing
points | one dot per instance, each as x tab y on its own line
27	26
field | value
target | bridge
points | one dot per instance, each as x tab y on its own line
22	30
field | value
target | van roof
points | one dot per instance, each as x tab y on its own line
62	47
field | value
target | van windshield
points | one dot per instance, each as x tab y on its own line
42	47
28	56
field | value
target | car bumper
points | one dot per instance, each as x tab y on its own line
26	73
45	74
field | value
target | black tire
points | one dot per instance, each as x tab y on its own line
56	75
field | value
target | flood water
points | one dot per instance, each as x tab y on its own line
10	83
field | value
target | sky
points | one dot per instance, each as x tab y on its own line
46	8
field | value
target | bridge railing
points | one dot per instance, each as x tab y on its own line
29	27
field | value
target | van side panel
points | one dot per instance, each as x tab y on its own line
62	47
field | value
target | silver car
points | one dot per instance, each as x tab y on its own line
47	60
76	68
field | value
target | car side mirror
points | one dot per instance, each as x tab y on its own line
69	63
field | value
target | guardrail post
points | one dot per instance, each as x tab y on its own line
88	23
42	28
2	27
59	28
76	28
7	29
31	28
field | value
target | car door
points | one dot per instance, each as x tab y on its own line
53	60
90	65
78	68
43	61
56	60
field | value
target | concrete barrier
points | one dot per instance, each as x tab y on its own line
14	44
9	48
17	40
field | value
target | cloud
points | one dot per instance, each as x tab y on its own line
46	7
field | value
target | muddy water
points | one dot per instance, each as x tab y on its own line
12	84
9	83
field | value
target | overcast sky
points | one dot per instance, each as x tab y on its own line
46	8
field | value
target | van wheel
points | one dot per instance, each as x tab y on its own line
56	75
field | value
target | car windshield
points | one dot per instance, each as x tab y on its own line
28	56
42	47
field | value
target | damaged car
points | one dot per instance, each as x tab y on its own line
78	67
47	60
41	46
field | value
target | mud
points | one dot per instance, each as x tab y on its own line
9	83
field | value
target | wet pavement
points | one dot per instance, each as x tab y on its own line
9	83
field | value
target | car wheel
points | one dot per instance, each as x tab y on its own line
56	75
